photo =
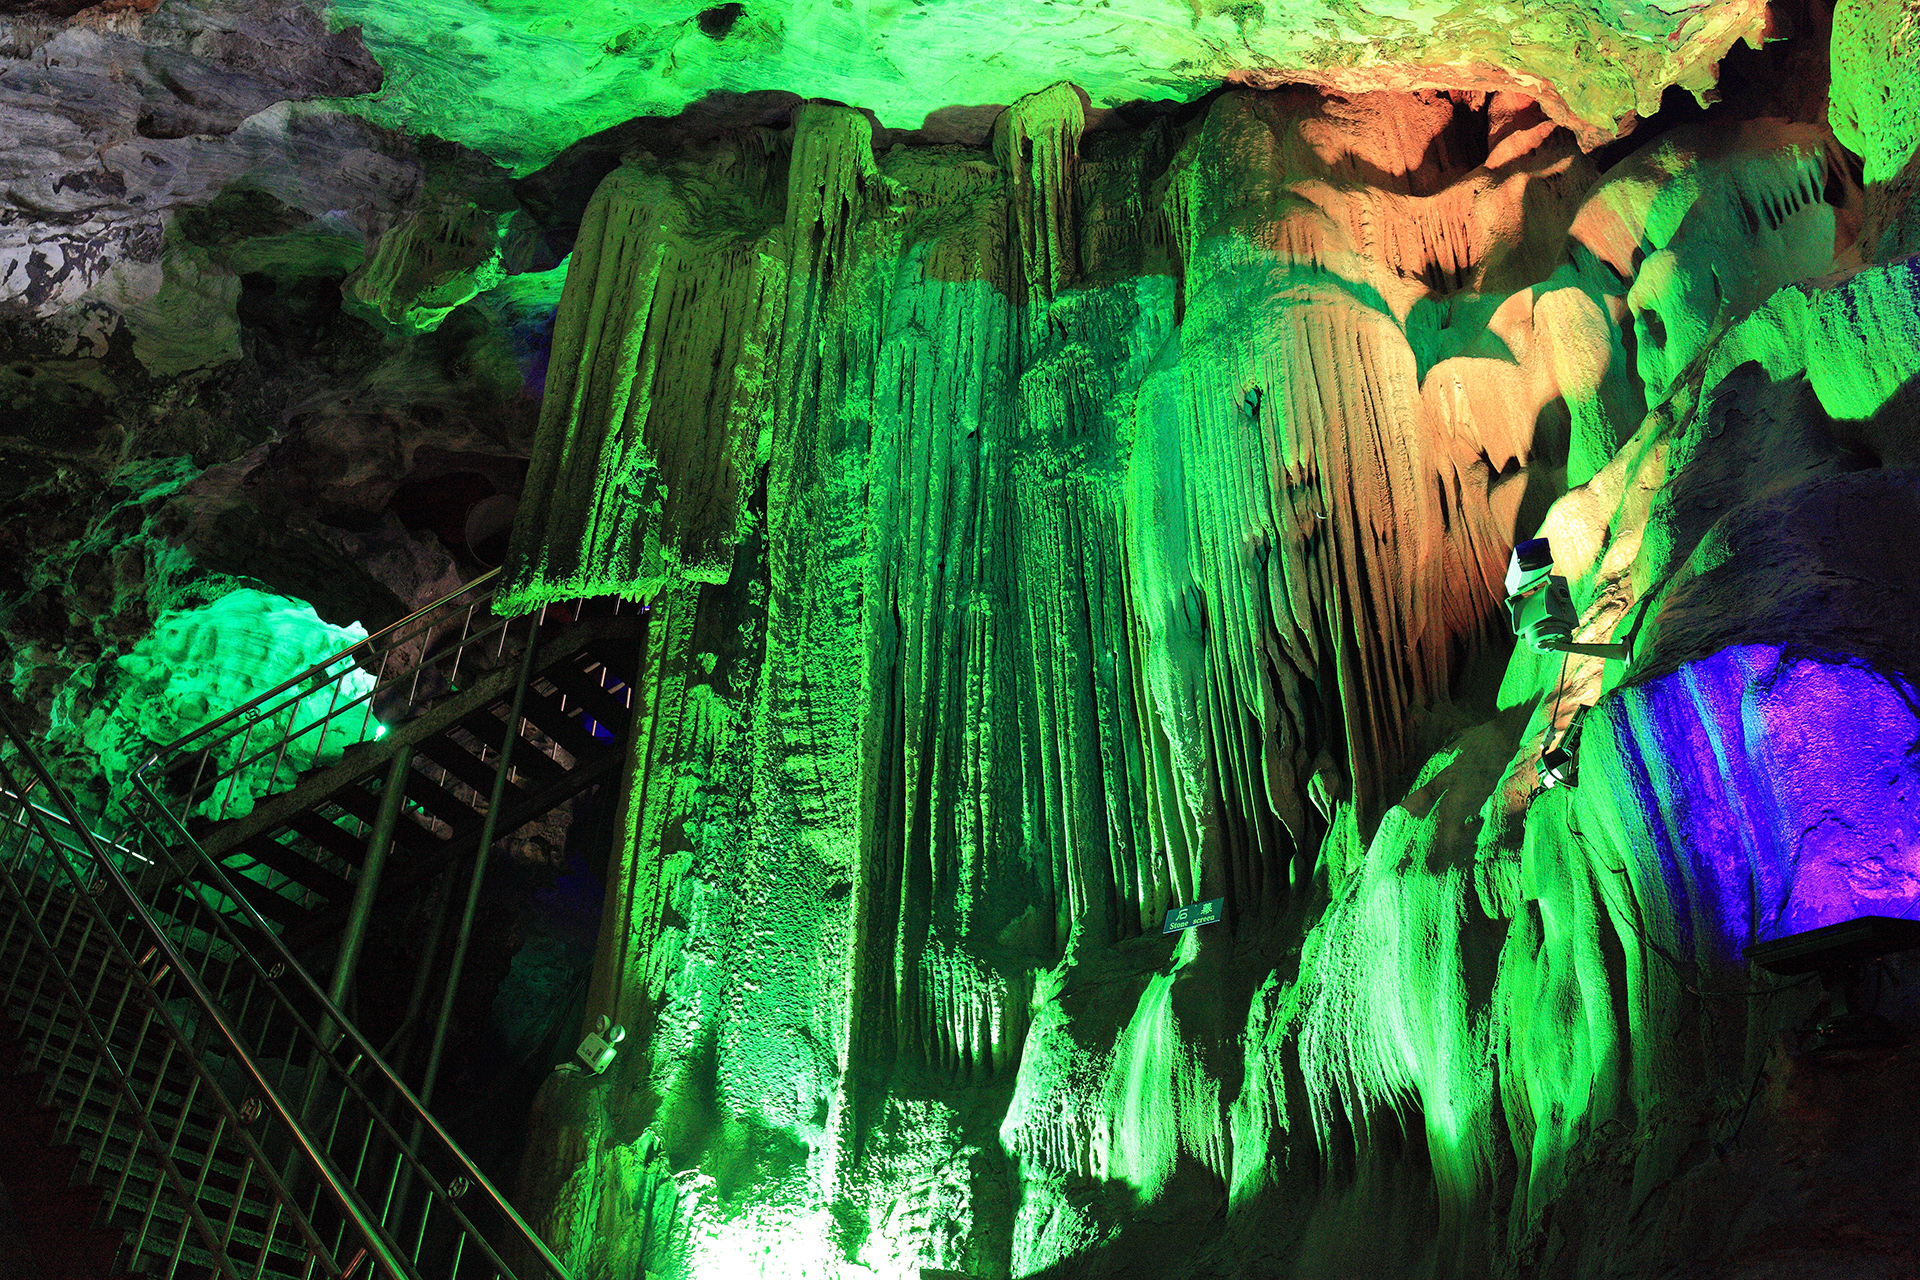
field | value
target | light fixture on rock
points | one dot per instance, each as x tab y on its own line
1541	606
1557	766
597	1048
1840	953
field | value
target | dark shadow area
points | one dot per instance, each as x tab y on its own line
557	195
552	917
1786	77
718	21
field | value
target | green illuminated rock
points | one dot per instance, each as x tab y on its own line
520	80
1047	517
198	664
1071	526
426	266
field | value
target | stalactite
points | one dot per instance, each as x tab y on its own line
649	429
1136	512
1037	143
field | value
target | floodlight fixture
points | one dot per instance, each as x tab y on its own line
1541	606
1840	953
597	1048
1556	767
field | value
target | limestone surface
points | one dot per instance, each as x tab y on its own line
1136	506
519	80
1051	509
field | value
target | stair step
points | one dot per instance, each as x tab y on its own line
532	760
329	835
408	833
459	762
126	1150
139	1058
58	1220
305	872
358	801
621	659
270	903
248	1232
563	726
584	691
440	802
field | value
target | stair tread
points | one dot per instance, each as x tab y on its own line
304	871
271	904
459	762
585	691
329	835
622	659
562	725
529	759
439	801
408	833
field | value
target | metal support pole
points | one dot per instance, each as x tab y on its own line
379	842
365	890
403	1182
488	832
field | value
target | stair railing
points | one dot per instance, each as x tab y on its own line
388	1151
215	771
149	1088
146	1143
350	1167
365	1171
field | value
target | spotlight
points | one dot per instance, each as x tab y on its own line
1556	767
596	1050
1541	607
1839	953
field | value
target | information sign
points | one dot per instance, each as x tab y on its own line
1195	913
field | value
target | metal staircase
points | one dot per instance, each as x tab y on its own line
233	1119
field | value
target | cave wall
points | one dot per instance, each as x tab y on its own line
1043	527
1128	528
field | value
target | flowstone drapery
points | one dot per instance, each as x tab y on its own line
1046	535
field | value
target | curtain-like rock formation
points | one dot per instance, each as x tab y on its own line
1047	517
1130	525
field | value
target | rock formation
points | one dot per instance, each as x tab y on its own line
1051	516
1136	509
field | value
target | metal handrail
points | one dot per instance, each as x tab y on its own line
105	867
118	1074
263	974
290	694
486	583
371	1055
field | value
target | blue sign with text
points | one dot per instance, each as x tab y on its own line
1195	913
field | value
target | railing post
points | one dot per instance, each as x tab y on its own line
523	676
488	832
365	890
392	796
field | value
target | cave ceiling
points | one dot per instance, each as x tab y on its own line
521	79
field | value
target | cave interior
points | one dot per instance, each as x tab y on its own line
1000	571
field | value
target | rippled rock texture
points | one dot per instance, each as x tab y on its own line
1048	534
520	80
